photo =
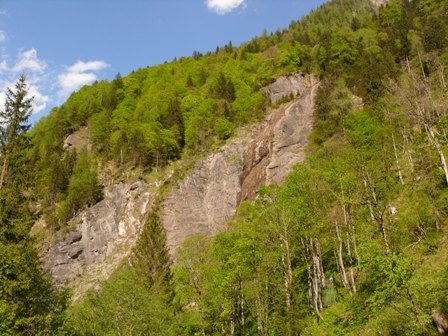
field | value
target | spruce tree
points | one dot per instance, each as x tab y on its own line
14	122
14	174
151	257
29	305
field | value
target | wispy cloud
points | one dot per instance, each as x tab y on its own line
41	101
79	74
46	84
3	36
222	7
3	66
49	83
28	62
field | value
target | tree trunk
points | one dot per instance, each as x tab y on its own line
352	272
406	142
316	277
3	174
340	260
396	160
369	203
287	269
424	93
232	325
350	239
242	317
438	147
262	318
376	210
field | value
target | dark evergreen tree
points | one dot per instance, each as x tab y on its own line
28	303
224	88
151	256
174	121
13	122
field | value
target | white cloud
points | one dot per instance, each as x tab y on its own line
28	61
79	74
87	66
3	66
2	99
2	36
222	7
46	84
40	101
70	81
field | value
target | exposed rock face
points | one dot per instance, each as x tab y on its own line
78	140
206	199
102	235
201	203
286	85
279	142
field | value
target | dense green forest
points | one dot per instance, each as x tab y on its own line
354	243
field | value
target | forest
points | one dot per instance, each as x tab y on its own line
354	243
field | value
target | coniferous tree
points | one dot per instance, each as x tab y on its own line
29	305
151	257
13	122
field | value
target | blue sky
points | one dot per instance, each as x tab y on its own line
64	44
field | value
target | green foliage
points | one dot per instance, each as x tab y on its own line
29	305
366	193
124	306
100	131
223	88
83	187
332	104
224	128
343	248
151	258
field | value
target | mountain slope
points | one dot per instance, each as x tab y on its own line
207	198
169	153
201	203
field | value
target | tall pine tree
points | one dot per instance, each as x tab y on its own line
28	303
14	122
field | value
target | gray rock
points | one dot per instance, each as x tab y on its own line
207	198
102	236
73	237
79	140
202	203
284	86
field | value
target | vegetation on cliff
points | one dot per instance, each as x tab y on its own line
354	243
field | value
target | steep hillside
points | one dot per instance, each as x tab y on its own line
207	198
178	200
201	203
101	237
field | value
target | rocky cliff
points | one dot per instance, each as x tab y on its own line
101	236
201	203
206	199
